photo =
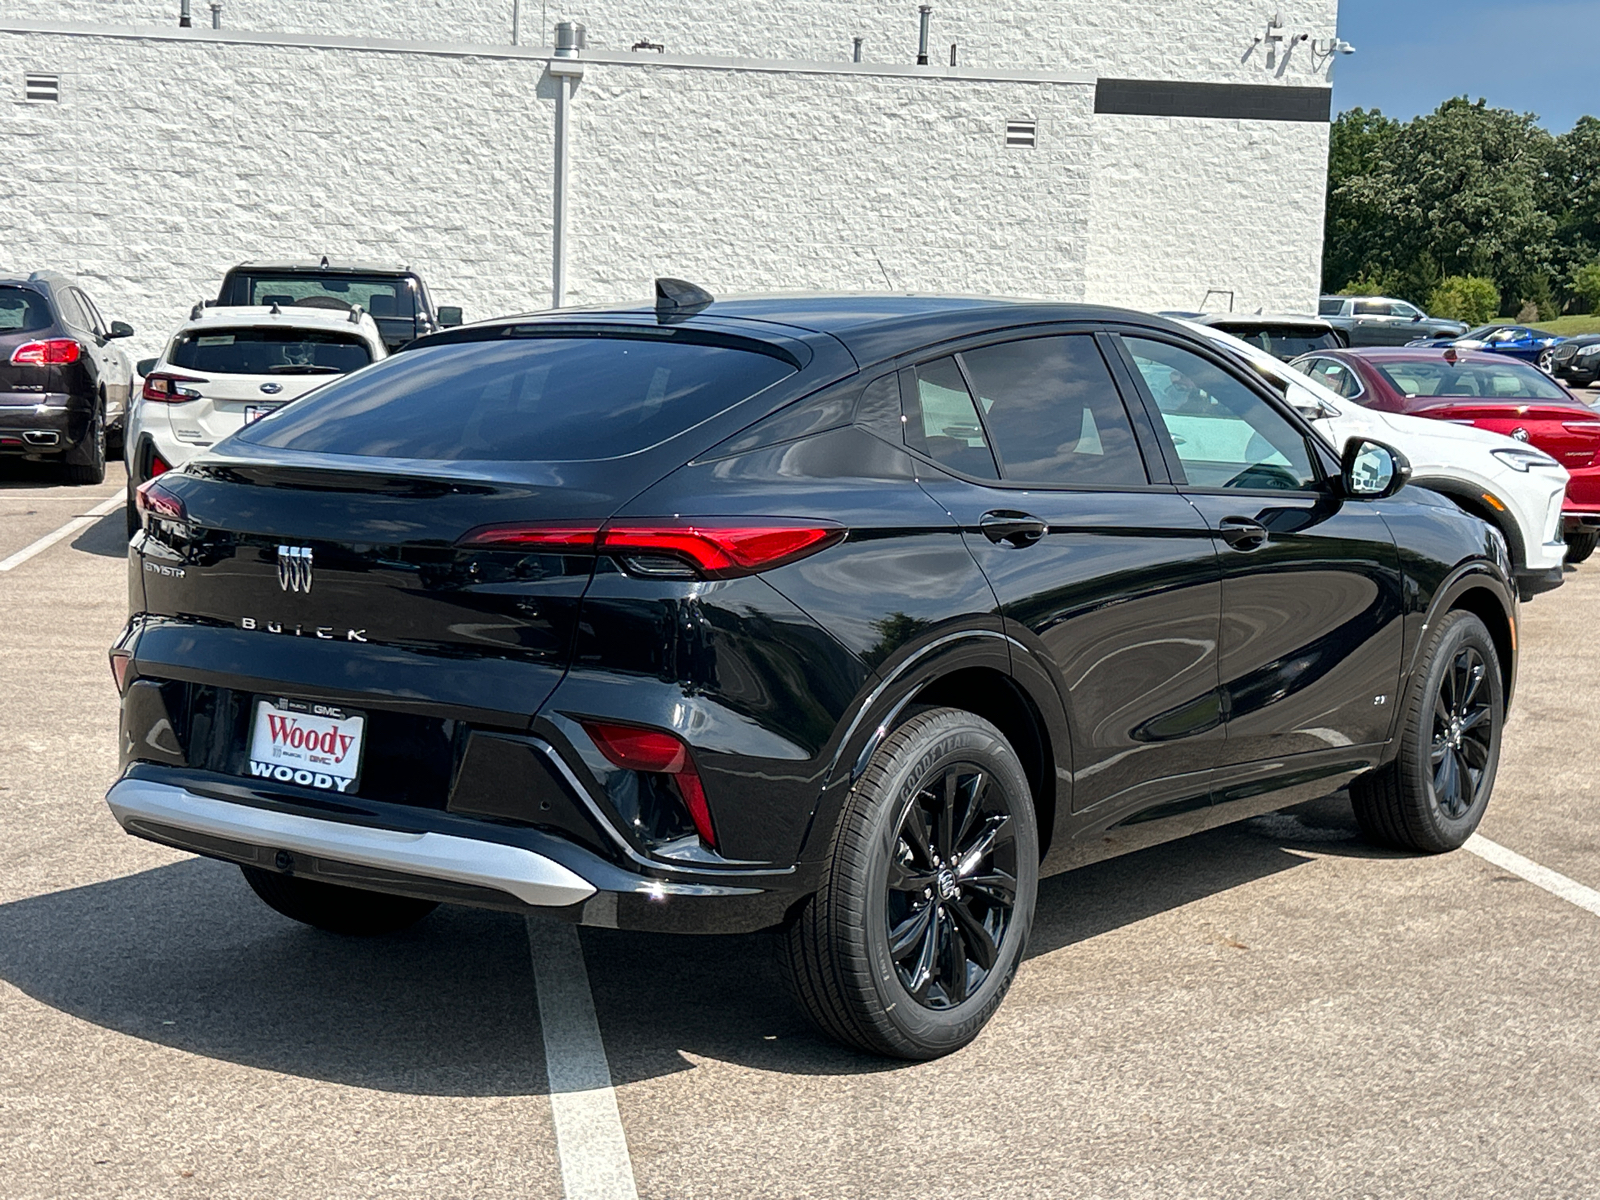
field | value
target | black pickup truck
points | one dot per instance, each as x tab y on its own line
394	296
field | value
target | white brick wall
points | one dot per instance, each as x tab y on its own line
171	160
1203	40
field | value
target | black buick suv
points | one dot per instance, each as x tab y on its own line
848	617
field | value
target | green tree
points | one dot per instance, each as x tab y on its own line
1353	226
1572	197
1586	285
1456	192
1469	298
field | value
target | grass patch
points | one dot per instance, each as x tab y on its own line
1572	326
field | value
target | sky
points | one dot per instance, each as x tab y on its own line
1412	54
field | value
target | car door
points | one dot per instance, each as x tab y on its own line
1311	581
81	325
1371	323
1101	568
115	370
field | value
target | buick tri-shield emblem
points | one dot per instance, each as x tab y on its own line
294	568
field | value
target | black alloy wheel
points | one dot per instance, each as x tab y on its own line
1436	790
1463	722
952	886
922	915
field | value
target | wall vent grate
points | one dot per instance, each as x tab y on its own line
1022	134
41	89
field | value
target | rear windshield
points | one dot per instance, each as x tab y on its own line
1508	380
378	296
1329	308
1284	341
524	399
270	352
22	310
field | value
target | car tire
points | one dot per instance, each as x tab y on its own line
86	463
336	909
1581	544
944	787
1546	360
1434	793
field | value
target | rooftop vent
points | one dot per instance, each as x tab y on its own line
41	89
1023	135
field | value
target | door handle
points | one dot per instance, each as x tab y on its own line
1242	533
1017	529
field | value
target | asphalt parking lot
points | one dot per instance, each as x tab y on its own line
1272	1009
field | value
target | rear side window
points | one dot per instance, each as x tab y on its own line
1330	308
23	311
942	422
1054	413
1334	375
524	399
270	351
71	311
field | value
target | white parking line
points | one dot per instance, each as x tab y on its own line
66	531
590	1143
1553	882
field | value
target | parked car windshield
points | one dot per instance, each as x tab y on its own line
1508	380
22	310
379	296
270	351
1478	334
524	399
1283	341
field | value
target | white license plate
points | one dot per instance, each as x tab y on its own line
254	412
308	744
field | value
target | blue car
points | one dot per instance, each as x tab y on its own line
1518	341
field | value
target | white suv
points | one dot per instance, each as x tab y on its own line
1513	486
226	367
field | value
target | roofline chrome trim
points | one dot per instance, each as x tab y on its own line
531	878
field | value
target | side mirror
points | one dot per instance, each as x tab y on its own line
1417	317
145	365
120	329
1373	470
449	315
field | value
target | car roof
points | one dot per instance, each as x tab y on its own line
50	279
291	316
873	326
329	266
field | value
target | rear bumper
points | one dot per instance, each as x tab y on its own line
168	813
44	425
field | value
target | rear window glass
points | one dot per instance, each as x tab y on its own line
1284	341
1509	380
380	297
535	399
22	310
270	352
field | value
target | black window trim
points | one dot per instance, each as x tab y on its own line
1315	357
1320	453
1156	470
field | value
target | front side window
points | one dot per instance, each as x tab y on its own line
1054	413
942	422
1335	375
1225	435
270	351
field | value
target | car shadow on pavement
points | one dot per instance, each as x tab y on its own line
107	537
186	956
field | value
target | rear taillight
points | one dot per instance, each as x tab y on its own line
154	500
48	353
169	389
158	465
656	752
715	548
121	660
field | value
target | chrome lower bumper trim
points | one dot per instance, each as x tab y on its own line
531	878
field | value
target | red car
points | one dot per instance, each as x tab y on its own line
1487	390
